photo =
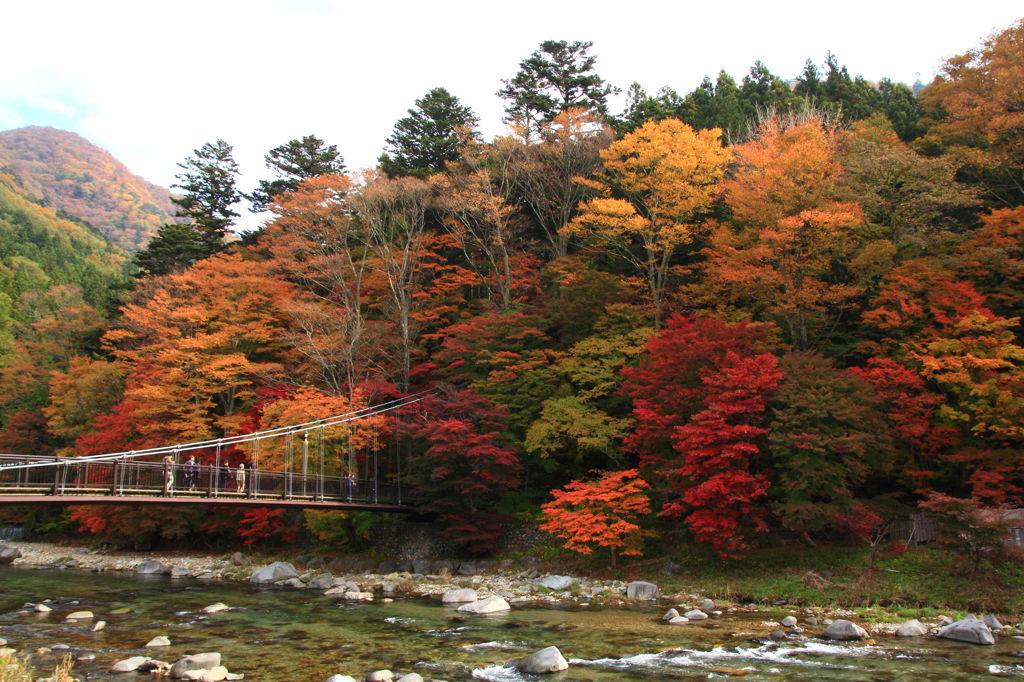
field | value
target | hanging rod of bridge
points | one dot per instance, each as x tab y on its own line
324	422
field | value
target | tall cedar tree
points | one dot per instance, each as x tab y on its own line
175	247
554	78
293	162
723	492
208	183
433	133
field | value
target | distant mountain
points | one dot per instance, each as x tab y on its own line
75	176
40	249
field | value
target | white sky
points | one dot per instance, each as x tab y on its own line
150	81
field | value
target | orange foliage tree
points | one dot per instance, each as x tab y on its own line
792	230
600	513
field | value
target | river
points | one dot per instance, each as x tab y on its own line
275	635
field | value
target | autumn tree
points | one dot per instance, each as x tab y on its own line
826	436
722	483
465	467
659	182
602	512
912	199
430	137
316	243
293	162
486	226
792	231
557	76
545	173
197	343
394	214
666	387
87	389
974	111
992	257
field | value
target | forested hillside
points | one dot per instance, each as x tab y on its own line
751	311
84	181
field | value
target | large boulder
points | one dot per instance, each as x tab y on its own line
205	661
549	660
488	605
970	630
153	567
279	570
843	631
159	640
912	628
642	591
459	596
421	566
670	614
556	582
340	678
788	621
380	676
128	665
217	673
9	554
695	614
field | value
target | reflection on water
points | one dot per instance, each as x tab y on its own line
298	636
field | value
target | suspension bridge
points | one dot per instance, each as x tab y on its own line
313	465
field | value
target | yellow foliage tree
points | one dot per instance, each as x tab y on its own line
658	182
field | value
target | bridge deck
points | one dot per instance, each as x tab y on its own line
133	482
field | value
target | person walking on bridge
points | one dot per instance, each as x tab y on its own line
191	473
240	477
168	475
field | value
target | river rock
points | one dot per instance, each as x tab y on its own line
970	630
410	677
707	605
670	614
549	660
218	673
912	628
79	615
788	621
204	661
340	678
216	608
357	596
458	596
86	658
7	652
128	665
153	567
42	608
777	635
9	554
843	630
488	605
99	625
992	622
3	642
159	640
279	570
811	620
179	572
380	676
292	582
642	591
321	581
239	559
695	614
678	620
556	582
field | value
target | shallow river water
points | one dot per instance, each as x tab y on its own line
300	636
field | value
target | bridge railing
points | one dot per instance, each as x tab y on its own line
127	477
